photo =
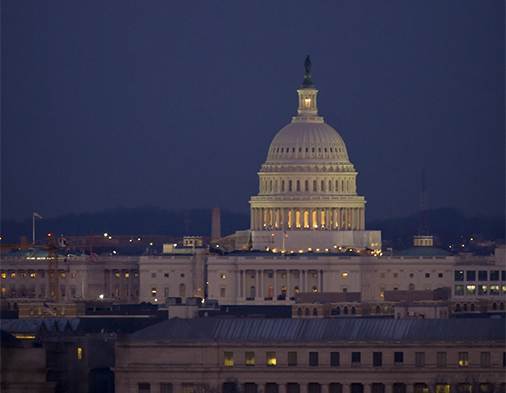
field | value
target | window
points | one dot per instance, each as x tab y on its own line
494	275
485	359
503	275
166	275
471	289
153	292
271	358
459	275
153	275
355	359
427	275
292	358
334	359
313	359
377	359
345	275
398	358
420	388
482	275
440	275
482	289
250	387
187	388
4	275
419	359
228	359
396	275
80	354
222	292
144	387
13	275
382	275
463	359
494	290
471	275
442	388
165	388
459	290
223	275
250	358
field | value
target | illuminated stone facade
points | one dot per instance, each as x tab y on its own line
307	196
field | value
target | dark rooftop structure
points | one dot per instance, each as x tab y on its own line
248	329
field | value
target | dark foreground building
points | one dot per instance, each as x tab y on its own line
314	356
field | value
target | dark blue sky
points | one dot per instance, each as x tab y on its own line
174	104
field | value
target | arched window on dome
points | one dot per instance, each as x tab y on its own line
331	150
306	185
347	186
282	150
319	150
282	186
306	219
300	149
330	186
322	215
312	149
293	150
297	219
314	185
298	185
289	185
325	149
315	217
270	185
337	185
307	149
342	185
323	186
276	186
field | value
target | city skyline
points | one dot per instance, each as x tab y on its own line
111	105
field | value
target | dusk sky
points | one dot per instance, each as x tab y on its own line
174	103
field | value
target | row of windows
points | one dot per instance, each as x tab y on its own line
166	291
471	290
287	150
165	275
297	185
411	275
356	359
483	275
293	387
62	274
472	307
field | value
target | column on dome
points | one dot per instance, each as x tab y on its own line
312	221
363	218
328	223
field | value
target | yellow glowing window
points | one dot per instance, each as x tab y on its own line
315	275
3	291
32	275
271	358
463	359
442	388
229	359
153	292
63	275
315	289
4	275
223	276
80	354
250	358
13	275
117	275
73	275
382	292
307	102
127	275
345	275
23	274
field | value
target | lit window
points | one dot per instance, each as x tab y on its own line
315	275
23	274
127	275
4	275
382	292
13	275
315	289
80	354
442	388
250	358
459	290
345	275
32	274
223	276
271	358
117	274
494	290
229	359
396	275
153	292
471	290
63	275
73	275
459	275
463	359
307	101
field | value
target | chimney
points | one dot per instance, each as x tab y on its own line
216	224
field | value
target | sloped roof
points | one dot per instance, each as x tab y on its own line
423	251
249	329
34	325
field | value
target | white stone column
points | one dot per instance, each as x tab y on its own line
274	295
367	388
288	290
346	388
292	218
325	388
389	388
262	295
410	388
363	218
305	280
257	283
281	388
327	219
303	388
244	292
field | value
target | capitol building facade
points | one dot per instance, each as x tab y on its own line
307	196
